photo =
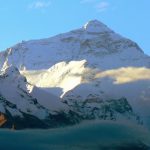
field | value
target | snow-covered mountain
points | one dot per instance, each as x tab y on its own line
82	70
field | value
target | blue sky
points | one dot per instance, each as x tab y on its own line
35	19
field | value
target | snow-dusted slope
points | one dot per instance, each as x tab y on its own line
91	62
21	103
15	87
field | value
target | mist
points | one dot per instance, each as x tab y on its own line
93	135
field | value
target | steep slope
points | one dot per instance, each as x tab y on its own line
21	108
91	62
15	87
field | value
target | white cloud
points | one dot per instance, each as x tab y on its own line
126	74
102	6
86	1
40	4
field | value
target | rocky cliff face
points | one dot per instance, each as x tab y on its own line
113	109
14	118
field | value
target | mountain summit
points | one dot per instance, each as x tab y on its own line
96	26
91	72
94	40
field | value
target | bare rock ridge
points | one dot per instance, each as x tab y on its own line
88	73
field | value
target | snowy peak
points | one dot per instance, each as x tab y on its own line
94	40
96	27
